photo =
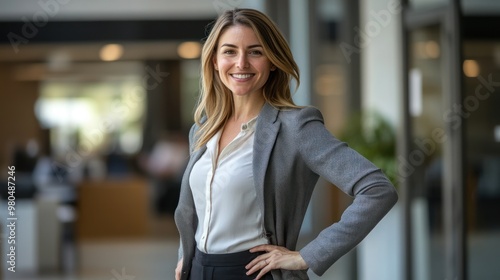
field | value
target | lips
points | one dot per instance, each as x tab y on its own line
242	76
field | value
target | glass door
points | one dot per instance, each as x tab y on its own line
425	159
481	70
451	143
430	154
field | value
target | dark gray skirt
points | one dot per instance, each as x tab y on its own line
223	266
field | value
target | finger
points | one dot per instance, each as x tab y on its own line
257	260
256	267
264	271
263	248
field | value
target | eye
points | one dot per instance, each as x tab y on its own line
228	51
256	52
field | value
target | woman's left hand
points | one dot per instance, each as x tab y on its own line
276	257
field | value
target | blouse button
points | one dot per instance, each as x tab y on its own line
244	127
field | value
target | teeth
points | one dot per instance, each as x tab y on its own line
242	76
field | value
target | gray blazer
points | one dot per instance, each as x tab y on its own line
292	148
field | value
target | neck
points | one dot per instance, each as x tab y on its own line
245	110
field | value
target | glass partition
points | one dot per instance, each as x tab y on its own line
329	77
481	69
425	161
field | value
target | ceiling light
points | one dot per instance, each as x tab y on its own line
471	68
111	52
189	50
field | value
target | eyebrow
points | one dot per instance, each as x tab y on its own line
234	46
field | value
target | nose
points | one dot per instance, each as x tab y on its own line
242	61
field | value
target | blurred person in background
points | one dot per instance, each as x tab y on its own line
255	159
166	164
24	158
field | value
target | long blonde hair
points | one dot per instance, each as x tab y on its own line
216	100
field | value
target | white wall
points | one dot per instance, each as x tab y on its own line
380	254
380	42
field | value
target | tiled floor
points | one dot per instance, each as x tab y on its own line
155	258
148	258
141	259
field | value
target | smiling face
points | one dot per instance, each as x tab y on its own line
240	61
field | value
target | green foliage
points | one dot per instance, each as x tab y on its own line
375	139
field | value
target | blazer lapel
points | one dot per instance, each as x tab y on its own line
265	137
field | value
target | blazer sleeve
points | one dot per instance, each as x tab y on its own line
373	193
192	132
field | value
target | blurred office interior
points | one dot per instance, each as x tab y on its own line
97	98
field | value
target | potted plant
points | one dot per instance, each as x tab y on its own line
375	139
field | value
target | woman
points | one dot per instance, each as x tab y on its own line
255	159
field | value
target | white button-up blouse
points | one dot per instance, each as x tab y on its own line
229	218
